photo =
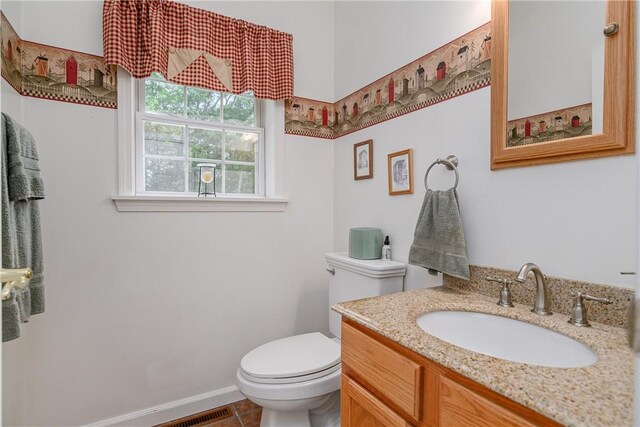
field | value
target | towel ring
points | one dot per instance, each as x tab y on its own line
450	162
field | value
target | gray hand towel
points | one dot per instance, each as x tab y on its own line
438	242
21	188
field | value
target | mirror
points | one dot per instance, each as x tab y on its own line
556	71
561	89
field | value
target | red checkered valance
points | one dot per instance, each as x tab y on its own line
196	47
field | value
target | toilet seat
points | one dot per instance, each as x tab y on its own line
293	359
291	391
293	379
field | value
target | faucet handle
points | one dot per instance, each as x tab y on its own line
505	292
493	279
600	300
579	310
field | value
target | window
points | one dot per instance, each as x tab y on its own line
187	125
178	127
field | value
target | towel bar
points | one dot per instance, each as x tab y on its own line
14	278
451	163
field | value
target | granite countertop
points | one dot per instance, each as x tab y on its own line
596	395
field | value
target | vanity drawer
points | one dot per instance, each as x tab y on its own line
383	370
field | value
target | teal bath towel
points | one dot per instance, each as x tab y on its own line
438	242
21	189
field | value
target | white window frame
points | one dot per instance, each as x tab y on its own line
142	115
272	191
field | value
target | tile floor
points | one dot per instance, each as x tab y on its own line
245	414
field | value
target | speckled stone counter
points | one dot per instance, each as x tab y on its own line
597	395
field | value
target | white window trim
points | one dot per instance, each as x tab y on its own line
128	201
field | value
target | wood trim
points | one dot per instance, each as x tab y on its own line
431	397
345	401
409	152
631	77
619	97
433	372
499	72
368	142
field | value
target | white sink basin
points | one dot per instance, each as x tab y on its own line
507	339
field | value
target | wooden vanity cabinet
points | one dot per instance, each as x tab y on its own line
386	384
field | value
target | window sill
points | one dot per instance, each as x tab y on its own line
197	204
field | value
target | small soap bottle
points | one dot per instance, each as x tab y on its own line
386	249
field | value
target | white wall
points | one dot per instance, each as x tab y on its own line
148	308
11	101
576	220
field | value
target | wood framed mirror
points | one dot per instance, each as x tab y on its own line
571	94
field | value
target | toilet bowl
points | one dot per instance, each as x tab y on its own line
296	379
292	376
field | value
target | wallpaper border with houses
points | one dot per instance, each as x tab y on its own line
49	72
458	67
559	124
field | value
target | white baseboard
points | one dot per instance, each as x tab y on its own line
173	410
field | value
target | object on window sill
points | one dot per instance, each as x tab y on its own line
207	176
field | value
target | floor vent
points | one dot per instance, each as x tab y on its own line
201	419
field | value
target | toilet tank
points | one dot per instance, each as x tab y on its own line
357	278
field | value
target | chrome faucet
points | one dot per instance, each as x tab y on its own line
542	302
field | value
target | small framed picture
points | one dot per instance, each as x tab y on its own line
400	172
363	160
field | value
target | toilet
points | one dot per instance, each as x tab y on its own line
296	379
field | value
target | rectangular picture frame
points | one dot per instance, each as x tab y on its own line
363	160
400	169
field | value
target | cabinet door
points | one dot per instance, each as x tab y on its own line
461	407
361	408
383	370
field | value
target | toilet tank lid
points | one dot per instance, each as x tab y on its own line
292	356
376	268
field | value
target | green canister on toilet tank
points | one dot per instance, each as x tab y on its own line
365	243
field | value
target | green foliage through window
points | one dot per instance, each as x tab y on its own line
173	144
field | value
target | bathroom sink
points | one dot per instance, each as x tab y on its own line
507	339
